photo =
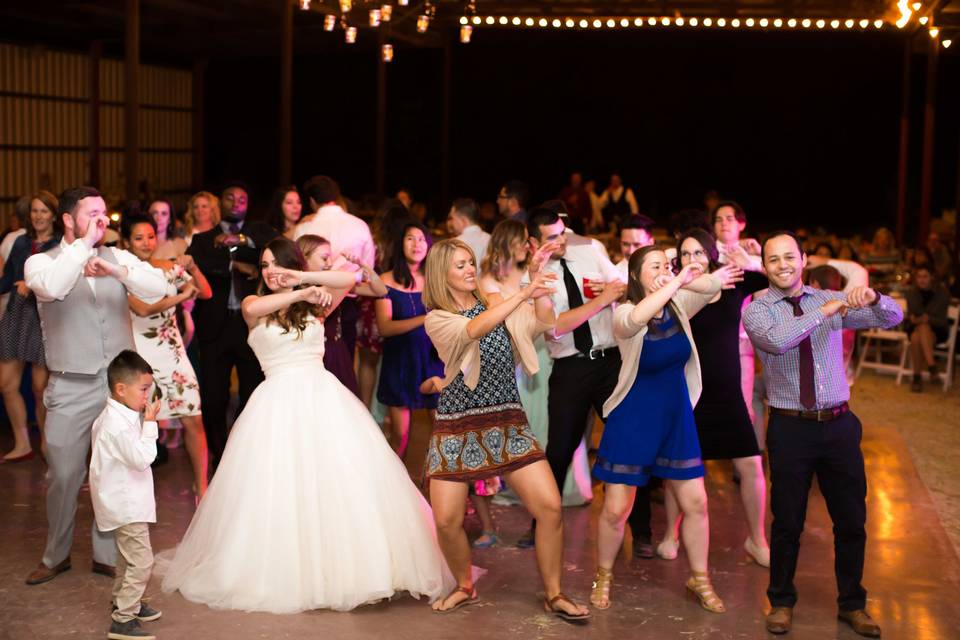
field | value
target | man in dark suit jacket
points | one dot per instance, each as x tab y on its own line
228	255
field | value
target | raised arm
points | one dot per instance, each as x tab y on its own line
53	278
256	307
776	333
654	301
140	278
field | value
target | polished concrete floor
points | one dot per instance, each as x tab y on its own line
912	572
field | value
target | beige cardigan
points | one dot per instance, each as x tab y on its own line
461	353
629	337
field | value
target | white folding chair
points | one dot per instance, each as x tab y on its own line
883	340
943	351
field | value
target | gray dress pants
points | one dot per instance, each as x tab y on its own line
73	402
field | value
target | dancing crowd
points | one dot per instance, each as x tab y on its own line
515	339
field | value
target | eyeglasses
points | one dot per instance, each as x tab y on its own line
699	253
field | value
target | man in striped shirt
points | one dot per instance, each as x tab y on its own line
797	333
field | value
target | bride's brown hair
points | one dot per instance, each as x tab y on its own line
288	255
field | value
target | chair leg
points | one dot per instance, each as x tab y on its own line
904	350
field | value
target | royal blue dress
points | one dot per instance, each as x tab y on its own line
652	431
408	359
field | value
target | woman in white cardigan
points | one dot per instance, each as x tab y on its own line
650	428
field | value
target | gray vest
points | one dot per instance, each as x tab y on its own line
82	333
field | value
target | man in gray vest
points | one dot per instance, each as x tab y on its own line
81	288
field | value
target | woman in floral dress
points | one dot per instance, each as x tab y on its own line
158	340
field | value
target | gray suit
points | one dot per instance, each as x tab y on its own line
82	332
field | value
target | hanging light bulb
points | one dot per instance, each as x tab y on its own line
345	6
375	17
350	35
946	43
934	32
466	32
917	6
386	52
923	20
329	22
386	12
305	5
423	21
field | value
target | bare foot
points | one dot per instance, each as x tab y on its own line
17	452
454	598
569	607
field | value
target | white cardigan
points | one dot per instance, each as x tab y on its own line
629	335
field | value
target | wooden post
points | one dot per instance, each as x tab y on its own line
131	113
904	159
929	110
445	123
197	173
286	89
93	126
381	152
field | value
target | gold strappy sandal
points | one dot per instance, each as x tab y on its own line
700	586
600	593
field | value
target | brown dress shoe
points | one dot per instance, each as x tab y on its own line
104	569
43	573
861	622
779	620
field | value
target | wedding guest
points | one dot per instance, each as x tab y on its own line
21	339
636	232
578	203
462	224
942	261
404	197
597	225
227	255
724	426
617	202
408	356
883	255
157	337
203	214
170	245
927	323
512	200
480	429
81	288
121	487
796	330
285	211
650	429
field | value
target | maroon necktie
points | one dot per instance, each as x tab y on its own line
808	395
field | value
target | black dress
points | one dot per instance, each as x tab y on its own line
721	413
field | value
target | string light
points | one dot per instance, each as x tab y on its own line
466	32
923	20
516	21
528	22
917	6
386	12
735	23
375	17
821	23
476	19
651	21
878	23
491	19
623	22
721	22
423	23
905	13
543	22
329	22
749	22
792	22
693	22
708	22
350	35
764	22
345	6
934	32
386	52
849	23
834	24
611	23
946	43
778	23
679	22
864	23
638	22
503	20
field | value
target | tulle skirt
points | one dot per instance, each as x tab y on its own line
309	509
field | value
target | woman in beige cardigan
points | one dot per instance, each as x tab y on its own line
650	428
480	429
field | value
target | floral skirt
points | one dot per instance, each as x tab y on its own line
481	443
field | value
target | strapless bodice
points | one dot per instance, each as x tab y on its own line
280	351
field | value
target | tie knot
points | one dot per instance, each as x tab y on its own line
234	228
795	303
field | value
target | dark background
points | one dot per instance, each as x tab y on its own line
802	128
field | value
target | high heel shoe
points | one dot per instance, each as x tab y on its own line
756	553
668	548
600	592
700	586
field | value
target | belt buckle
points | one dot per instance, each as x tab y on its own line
595	353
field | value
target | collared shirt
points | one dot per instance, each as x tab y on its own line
478	239
121	483
233	303
582	260
54	278
345	232
622	267
776	333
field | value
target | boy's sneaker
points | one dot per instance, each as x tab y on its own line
146	613
128	631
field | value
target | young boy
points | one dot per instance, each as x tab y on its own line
121	486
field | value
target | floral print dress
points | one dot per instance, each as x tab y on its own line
158	340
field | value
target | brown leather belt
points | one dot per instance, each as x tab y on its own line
823	415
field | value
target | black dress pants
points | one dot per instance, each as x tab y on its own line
798	449
217	359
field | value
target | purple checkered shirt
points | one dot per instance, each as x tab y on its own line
776	332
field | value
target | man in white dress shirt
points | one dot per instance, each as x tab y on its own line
462	223
81	288
346	233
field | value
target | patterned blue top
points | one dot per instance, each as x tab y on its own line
776	332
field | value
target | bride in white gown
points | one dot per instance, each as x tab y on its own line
310	508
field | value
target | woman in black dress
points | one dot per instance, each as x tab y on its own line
723	423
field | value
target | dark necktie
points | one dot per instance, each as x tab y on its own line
581	335
237	279
808	394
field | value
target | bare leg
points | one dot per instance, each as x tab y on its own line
195	441
400	420
617	503
916	352
753	493
537	489
40	376
11	372
367	374
927	341
695	529
482	504
447	500
667	549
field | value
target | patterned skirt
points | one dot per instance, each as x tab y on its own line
481	443
20	335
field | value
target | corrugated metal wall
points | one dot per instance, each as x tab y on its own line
45	126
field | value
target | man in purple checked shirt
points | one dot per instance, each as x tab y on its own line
797	333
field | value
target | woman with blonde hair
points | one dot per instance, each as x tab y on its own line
203	213
480	430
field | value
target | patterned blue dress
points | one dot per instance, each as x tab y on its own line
482	433
409	358
652	431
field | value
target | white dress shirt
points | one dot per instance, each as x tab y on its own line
53	278
478	239
622	267
582	259
121	482
345	232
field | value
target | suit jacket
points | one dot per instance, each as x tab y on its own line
211	315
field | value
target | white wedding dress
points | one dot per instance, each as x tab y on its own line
310	508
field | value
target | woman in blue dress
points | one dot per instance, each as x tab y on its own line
408	355
650	429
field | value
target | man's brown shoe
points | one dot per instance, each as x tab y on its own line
104	569
779	620
43	573
861	622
